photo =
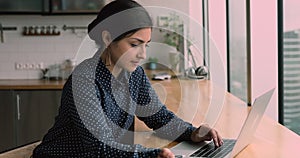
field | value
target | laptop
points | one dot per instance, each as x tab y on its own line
230	147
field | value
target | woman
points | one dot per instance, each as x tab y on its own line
105	92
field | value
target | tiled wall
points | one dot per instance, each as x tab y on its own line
36	49
55	49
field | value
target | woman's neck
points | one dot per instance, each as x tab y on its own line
110	65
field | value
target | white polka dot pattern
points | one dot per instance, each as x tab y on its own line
97	111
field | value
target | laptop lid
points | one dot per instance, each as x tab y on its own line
253	119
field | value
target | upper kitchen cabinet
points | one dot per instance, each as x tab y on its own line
76	6
21	6
51	7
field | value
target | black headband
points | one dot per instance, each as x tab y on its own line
120	23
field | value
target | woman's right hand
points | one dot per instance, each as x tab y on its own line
166	153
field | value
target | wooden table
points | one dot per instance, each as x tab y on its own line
271	138
190	100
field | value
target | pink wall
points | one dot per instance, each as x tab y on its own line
217	30
264	50
291	15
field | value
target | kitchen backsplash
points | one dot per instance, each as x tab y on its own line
44	50
49	50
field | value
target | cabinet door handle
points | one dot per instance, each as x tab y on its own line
18	107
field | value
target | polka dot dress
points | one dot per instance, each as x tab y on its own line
97	112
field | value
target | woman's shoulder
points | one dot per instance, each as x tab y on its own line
139	75
86	67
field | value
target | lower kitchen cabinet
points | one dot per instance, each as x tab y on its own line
28	115
7	121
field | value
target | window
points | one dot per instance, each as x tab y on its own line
237	52
290	65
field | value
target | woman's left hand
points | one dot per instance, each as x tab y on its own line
206	133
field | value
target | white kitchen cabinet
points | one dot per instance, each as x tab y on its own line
28	115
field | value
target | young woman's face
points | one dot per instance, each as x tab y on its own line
130	51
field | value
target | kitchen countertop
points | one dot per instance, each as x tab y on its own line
38	84
31	84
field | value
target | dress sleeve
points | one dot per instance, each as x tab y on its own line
92	124
157	117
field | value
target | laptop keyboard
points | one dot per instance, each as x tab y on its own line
209	150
